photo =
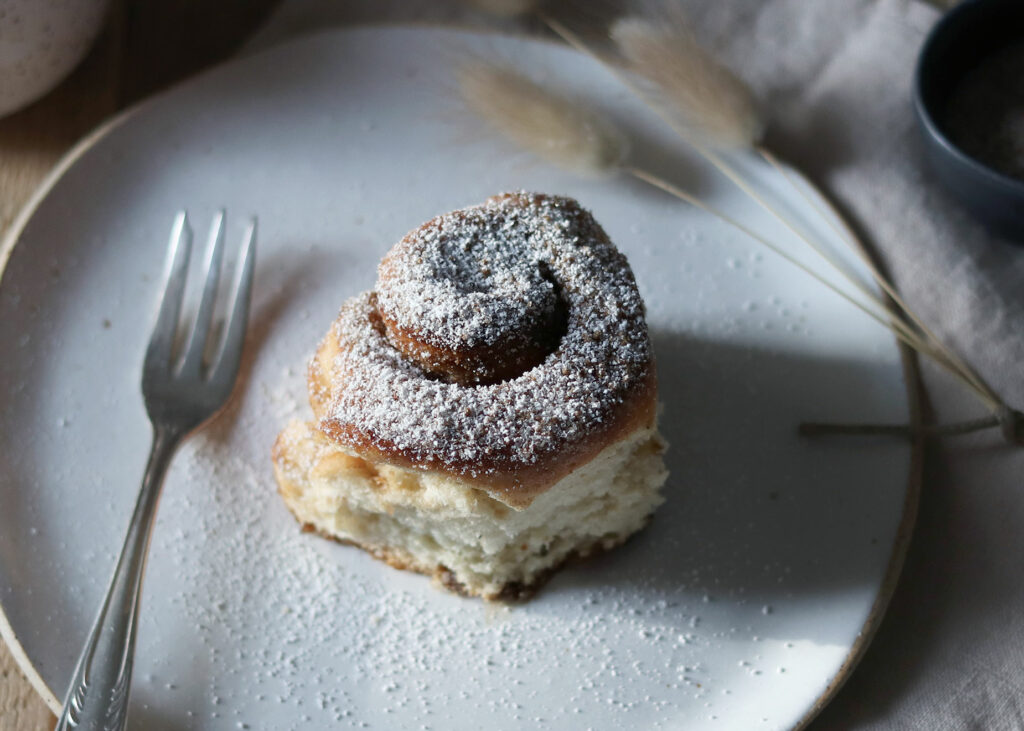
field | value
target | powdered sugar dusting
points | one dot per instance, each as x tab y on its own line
472	277
288	622
602	359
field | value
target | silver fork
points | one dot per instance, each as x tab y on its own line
179	398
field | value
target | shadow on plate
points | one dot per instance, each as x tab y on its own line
755	515
281	276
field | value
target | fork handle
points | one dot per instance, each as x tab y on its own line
97	698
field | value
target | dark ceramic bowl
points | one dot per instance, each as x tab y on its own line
965	36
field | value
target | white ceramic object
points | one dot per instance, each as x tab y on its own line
41	41
741	607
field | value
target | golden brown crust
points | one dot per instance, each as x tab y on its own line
517	489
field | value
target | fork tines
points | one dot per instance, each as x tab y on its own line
195	359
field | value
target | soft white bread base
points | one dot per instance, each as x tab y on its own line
436	524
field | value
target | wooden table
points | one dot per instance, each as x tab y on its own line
145	45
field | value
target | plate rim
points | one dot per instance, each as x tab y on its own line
7	244
912	380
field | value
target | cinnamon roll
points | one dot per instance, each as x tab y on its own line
488	411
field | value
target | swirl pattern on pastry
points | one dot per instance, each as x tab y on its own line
505	344
466	307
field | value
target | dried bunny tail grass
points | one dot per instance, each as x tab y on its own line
557	129
701	97
507	8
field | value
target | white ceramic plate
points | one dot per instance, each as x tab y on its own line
740	607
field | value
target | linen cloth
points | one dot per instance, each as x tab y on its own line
835	76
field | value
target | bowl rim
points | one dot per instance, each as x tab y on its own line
924	113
